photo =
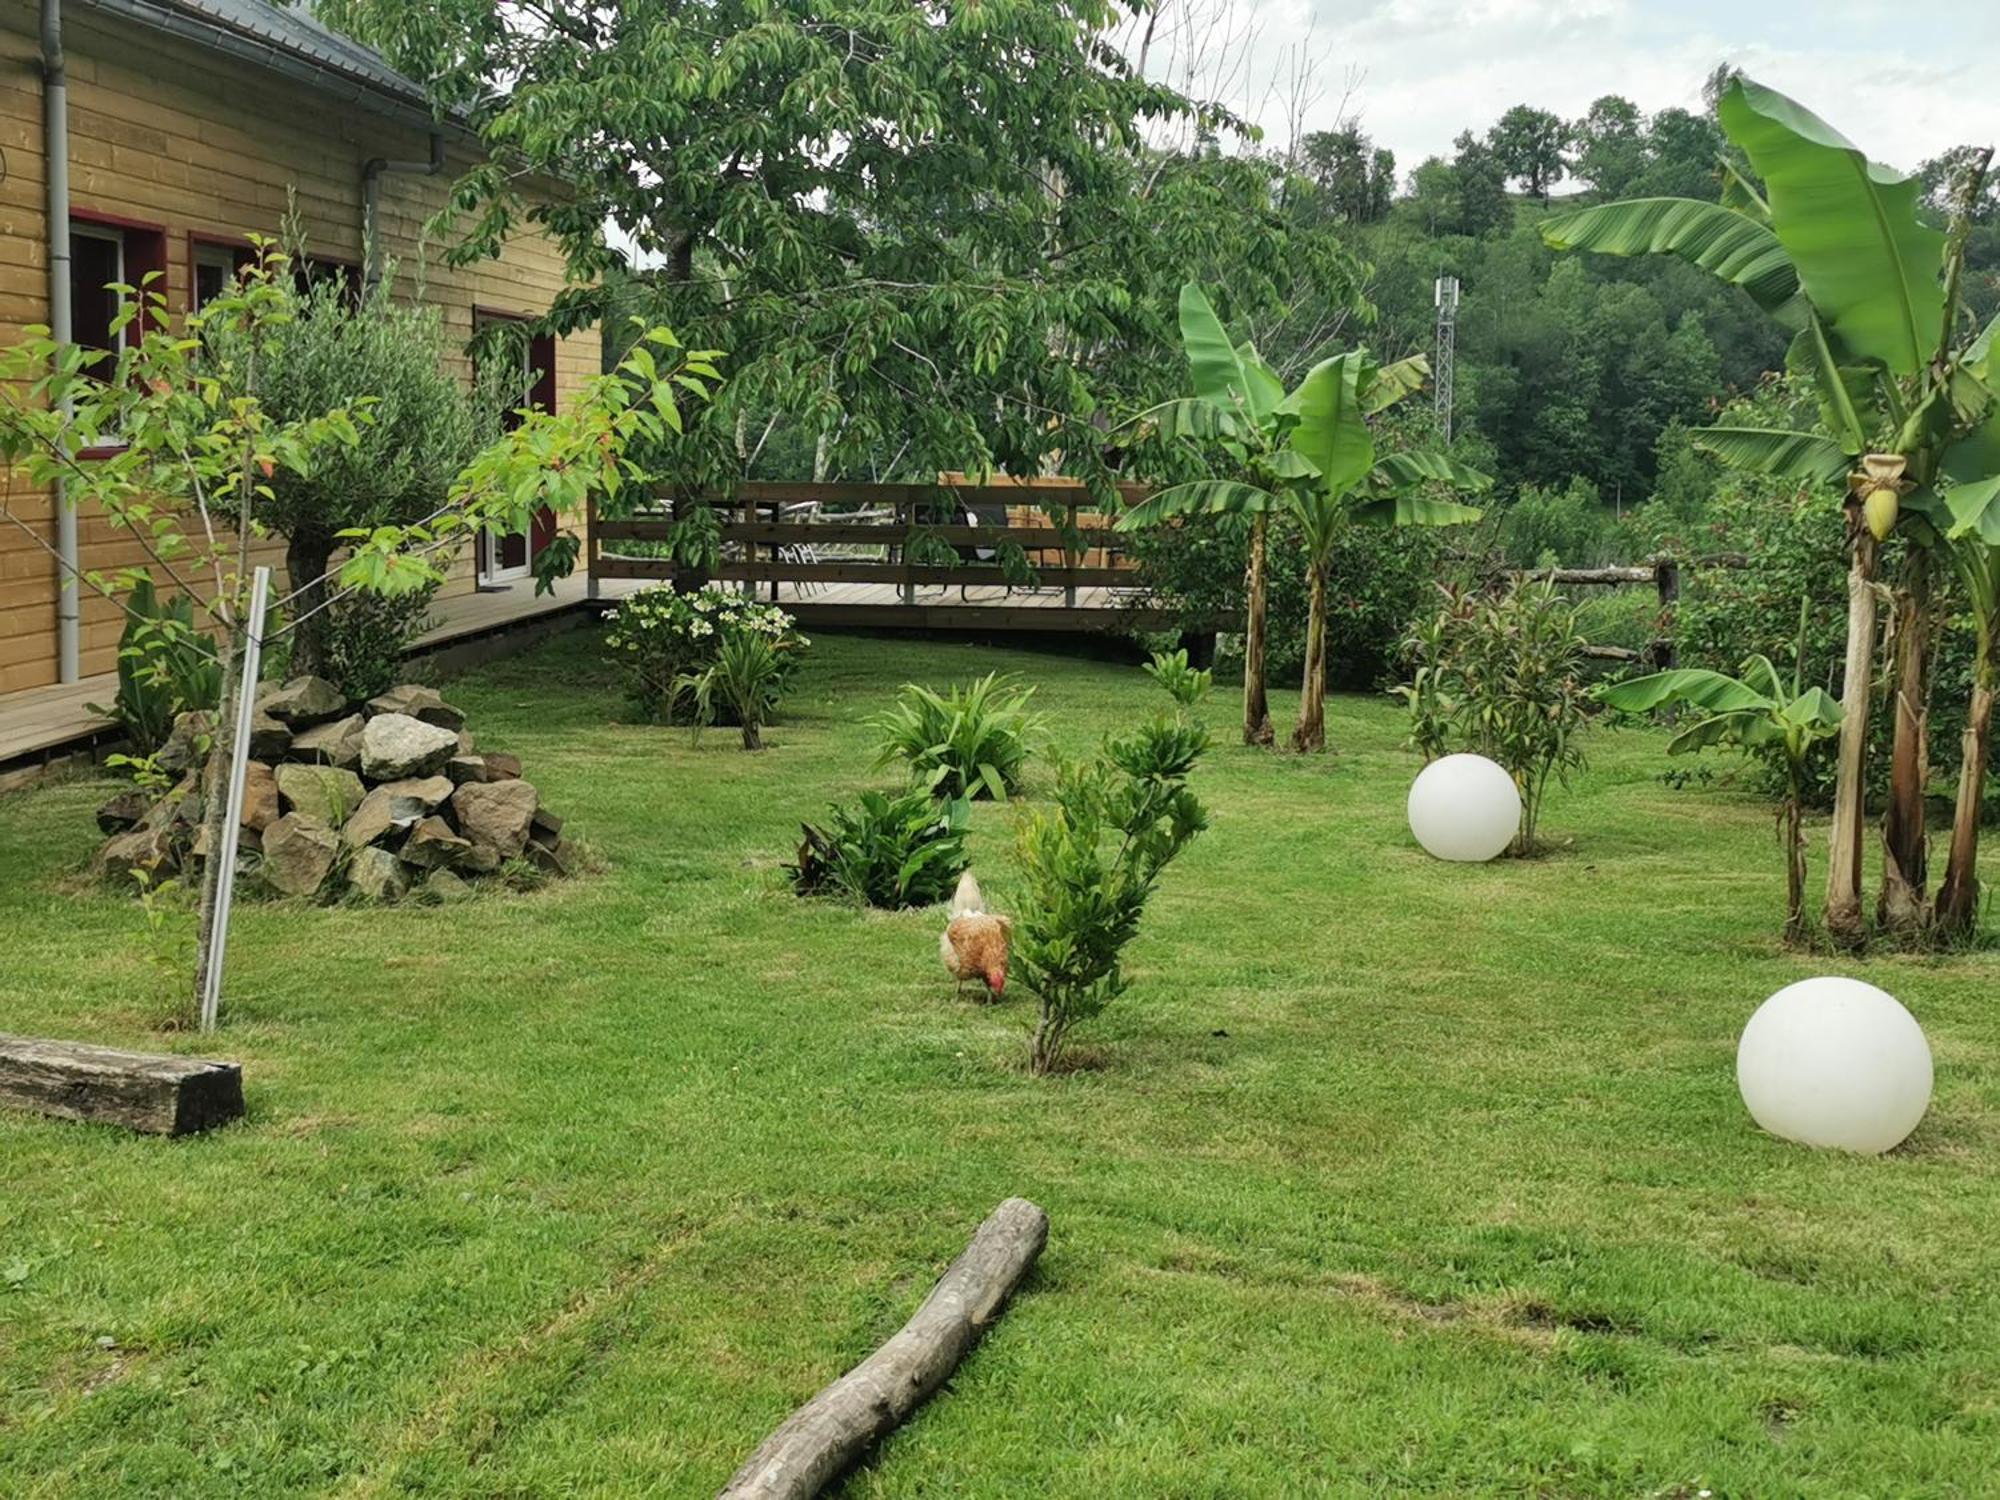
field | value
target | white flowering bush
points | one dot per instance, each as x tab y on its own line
663	639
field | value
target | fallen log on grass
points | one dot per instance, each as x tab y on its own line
822	1438
139	1090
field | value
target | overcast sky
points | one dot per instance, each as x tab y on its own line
1431	68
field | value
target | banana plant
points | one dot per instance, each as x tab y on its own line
1309	454
1759	712
1833	247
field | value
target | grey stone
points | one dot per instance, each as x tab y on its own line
479	859
464	768
395	747
551	854
188	743
496	814
432	845
466	743
547	826
124	811
260	796
269	738
182	805
378	875
325	793
146	850
298	854
446	888
417	702
304	700
334	743
501	767
393	806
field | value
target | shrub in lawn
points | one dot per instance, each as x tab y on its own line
663	640
973	741
1091	862
1186	685
1501	676
747	678
890	851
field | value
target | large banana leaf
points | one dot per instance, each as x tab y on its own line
1401	470
1975	510
1413	510
1703	689
1395	381
1728	245
1192	417
1740	194
1332	432
1217	367
1199	496
1804	456
1265	389
1870	267
1848	403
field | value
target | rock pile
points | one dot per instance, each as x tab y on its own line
381	798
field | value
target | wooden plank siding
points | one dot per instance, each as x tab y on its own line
209	147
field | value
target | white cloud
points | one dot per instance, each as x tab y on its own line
1428	69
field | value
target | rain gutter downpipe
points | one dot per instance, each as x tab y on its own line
371	201
55	141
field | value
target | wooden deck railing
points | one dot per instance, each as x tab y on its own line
777	533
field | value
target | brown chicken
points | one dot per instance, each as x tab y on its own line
975	943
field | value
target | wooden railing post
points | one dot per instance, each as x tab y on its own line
592	587
1072	557
1667	579
906	518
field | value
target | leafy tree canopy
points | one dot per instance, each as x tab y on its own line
933	234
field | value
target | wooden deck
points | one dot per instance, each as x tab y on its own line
49	721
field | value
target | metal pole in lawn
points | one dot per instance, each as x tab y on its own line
232	826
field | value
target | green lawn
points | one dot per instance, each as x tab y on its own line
1394	1177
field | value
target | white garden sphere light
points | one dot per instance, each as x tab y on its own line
1464	807
1835	1062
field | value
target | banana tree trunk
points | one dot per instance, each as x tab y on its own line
1958	897
1902	905
1844	920
1310	735
1256	708
1792	831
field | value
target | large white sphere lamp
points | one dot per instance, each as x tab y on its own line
1835	1062
1464	807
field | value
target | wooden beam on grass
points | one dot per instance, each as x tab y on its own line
141	1091
823	1438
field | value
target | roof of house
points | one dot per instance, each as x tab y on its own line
288	37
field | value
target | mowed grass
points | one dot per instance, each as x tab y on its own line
1391	1177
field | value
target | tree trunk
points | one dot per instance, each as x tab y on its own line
1958	897
752	739
1844	921
307	557
1791	822
215	807
1905	845
823	1438
1311	732
1256	708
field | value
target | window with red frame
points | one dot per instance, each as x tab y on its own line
217	263
507	341
104	254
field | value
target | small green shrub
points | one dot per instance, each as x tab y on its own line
747	678
888	851
165	668
1502	676
973	741
1092	861
368	636
1186	685
663	641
